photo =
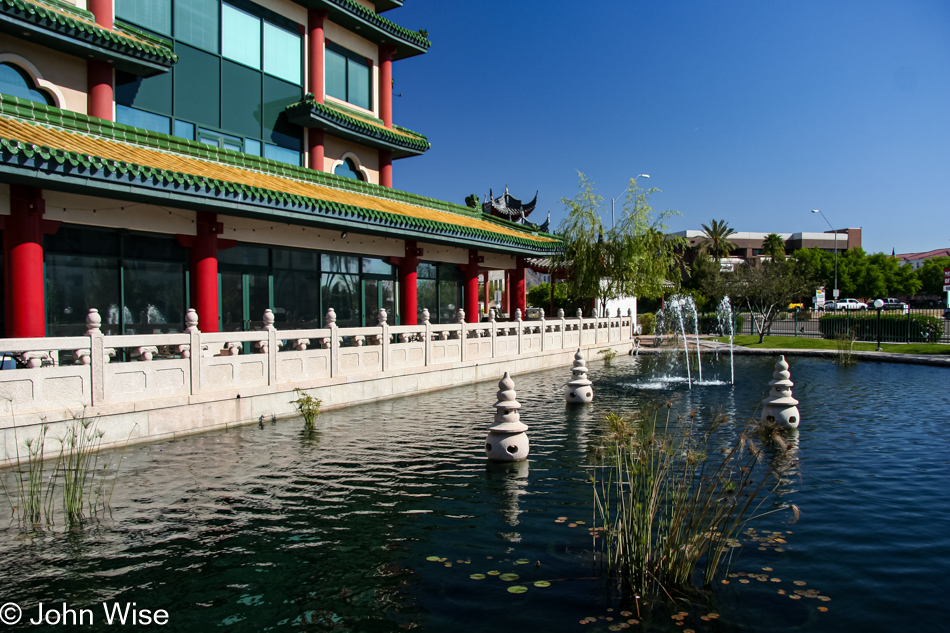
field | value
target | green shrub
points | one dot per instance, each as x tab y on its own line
647	322
710	325
894	328
307	406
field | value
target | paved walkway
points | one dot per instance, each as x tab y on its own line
936	360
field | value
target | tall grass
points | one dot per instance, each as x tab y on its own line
307	406
671	498
845	344
81	481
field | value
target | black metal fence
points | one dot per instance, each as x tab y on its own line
917	326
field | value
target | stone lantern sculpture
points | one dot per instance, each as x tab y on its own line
779	407
507	441
579	390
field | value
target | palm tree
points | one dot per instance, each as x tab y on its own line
717	242
774	246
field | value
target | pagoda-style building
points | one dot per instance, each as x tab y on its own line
228	156
508	207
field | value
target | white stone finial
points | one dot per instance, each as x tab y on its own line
618	312
382	317
629	312
560	313
517	314
579	390
541	312
191	320
491	315
507	441
268	319
460	316
93	321
779	407
580	313
425	316
331	317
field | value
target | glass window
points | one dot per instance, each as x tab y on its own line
142	119
450	300
154	15
295	260
17	83
219	139
282	53
348	76
154	296
426	271
184	129
196	23
339	264
335	74
73	240
76	283
241	91
427	297
281	154
197	86
297	299
376	267
240	37
252	146
277	130
152	93
244	255
342	293
348	169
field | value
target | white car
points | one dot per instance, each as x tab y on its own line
847	304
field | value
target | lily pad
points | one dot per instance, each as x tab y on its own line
477	576
494	572
522	561
509	577
542	583
434	559
517	589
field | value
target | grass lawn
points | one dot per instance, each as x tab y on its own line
794	342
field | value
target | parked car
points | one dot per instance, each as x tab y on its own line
846	304
892	305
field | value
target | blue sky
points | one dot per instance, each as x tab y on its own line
753	112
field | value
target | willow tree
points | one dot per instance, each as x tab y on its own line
629	259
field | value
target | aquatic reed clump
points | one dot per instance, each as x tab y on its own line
307	406
672	498
845	345
609	355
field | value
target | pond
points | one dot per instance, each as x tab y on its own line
378	519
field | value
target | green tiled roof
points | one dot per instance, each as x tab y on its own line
416	37
65	27
17	155
364	129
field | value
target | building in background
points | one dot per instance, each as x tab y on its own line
749	244
917	259
229	156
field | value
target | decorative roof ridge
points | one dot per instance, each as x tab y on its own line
69	121
76	23
403	136
419	38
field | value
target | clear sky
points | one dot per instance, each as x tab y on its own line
753	112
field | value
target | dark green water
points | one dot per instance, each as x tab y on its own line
279	529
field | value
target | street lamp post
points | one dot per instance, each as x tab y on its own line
613	202
836	248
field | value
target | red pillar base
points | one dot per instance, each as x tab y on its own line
205	245
518	288
472	314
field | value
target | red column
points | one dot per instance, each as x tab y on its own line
471	285
518	287
204	246
315	82
487	292
386	168
99	72
506	293
386	52
23	256
408	287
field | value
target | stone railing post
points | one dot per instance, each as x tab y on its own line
460	319
383	321
98	357
427	335
519	326
194	351
492	330
544	328
330	322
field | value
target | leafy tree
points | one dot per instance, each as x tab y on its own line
859	274
774	246
930	275
765	289
540	296
702	280
717	242
631	259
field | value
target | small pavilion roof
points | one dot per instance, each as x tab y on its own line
56	149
